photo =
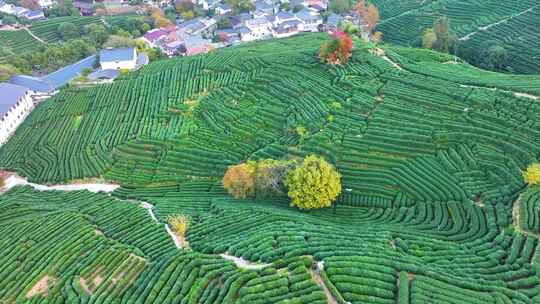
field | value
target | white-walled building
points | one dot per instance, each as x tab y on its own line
310	21
45	3
259	28
15	104
11	9
118	59
283	16
223	9
208	4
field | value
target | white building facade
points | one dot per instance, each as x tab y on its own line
259	28
15	104
118	59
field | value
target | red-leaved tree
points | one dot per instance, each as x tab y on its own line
338	50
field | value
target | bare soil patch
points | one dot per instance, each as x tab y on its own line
41	287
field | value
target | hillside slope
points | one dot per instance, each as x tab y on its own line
512	24
431	154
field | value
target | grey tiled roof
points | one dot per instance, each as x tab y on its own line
10	95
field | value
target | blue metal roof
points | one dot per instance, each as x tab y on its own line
10	94
119	54
51	82
34	83
65	74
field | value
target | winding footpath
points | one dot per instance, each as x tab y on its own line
14	180
485	28
35	36
244	264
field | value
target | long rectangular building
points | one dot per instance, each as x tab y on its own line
15	104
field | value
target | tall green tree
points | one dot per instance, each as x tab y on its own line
96	33
68	31
6	71
63	8
340	6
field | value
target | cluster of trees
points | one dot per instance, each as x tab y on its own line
440	37
531	175
187	9
338	50
48	59
241	6
63	8
489	55
370	15
159	18
311	183
340	6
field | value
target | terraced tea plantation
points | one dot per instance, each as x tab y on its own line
512	23
434	207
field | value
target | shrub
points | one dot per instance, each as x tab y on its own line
313	184
179	224
532	174
239	180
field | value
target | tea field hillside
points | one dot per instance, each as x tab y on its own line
434	207
512	24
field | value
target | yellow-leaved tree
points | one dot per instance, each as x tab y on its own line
313	184
239	180
532	174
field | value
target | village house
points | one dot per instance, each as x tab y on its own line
196	26
45	3
174	48
34	15
154	37
209	4
239	20
259	28
196	45
223	9
284	17
286	29
228	36
11	9
265	8
85	7
310	22
320	3
118	59
15	104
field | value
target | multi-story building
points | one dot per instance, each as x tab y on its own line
15	104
